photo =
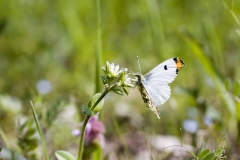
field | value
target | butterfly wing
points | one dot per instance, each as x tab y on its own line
157	80
165	72
159	93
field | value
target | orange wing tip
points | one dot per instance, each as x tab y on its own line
179	63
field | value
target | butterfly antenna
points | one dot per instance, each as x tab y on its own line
139	65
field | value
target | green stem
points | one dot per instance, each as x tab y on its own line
80	150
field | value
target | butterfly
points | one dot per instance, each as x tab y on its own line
154	87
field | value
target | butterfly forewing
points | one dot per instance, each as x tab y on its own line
164	73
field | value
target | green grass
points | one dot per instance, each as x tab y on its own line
67	42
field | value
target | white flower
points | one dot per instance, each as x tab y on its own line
128	81
111	70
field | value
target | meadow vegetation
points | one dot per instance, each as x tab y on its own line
51	59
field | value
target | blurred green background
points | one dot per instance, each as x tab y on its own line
54	44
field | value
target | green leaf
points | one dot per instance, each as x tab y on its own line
54	109
97	153
30	132
86	110
104	79
204	153
118	91
228	84
200	149
33	144
238	110
94	100
219	152
209	156
125	90
236	88
23	126
64	155
121	76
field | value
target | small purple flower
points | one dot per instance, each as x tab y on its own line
76	132
44	86
93	133
208	120
190	125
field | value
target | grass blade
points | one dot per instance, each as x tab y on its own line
99	49
40	132
155	22
206	64
4	138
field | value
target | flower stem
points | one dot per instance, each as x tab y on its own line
80	150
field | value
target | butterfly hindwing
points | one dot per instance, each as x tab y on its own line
159	93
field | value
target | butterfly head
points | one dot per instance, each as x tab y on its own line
139	78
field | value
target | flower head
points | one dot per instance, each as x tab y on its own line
125	81
117	80
111	70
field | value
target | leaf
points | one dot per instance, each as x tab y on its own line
219	152
30	132
209	156
94	100
86	110
228	84
118	91
104	79
236	88
64	155
23	126
54	109
125	90
97	153
33	144
204	153
200	149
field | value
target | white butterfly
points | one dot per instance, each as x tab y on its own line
154	86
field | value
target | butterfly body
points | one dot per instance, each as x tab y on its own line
154	86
